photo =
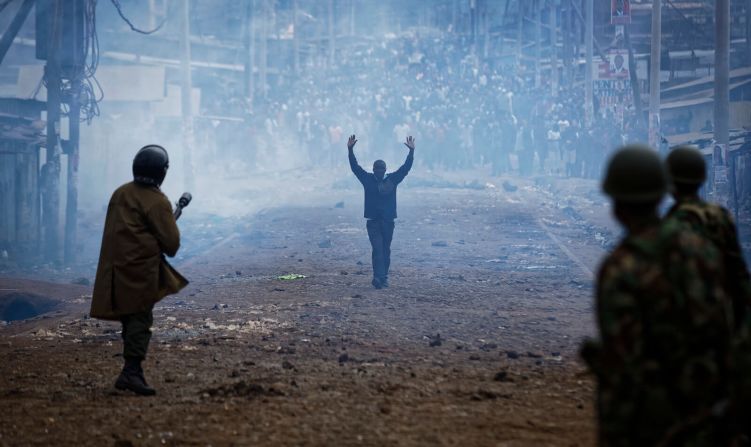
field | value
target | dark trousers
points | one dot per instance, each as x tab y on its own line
380	233
137	334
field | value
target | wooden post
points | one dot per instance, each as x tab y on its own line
748	32
485	29
654	75
553	48
51	169
249	52
537	10
565	43
330	23
187	97
635	91
27	199
588	40
724	186
519	31
721	70
473	24
71	203
75	25
296	38
263	63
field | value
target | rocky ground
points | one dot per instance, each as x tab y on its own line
475	343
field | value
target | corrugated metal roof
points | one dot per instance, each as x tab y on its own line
702	97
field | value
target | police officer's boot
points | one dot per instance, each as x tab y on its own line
131	378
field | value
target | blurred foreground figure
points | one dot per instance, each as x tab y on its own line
687	170
380	206
132	274
664	318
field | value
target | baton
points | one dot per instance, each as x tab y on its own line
182	203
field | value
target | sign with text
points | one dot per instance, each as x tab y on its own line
614	68
620	12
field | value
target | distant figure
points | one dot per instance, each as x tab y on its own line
132	274
664	320
687	170
380	207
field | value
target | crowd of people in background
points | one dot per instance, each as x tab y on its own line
466	113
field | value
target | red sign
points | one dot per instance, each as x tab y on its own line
620	12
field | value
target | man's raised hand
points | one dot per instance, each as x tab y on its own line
351	142
410	143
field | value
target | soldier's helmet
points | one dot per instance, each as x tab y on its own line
150	165
685	164
635	175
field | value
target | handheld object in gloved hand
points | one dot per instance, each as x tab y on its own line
182	203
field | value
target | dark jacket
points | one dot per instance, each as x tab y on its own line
380	196
132	274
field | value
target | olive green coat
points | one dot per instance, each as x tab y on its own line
132	274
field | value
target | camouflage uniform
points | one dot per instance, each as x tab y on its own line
665	324
715	224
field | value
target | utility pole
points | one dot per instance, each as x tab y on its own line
296	39
654	75
473	24
519	32
566	41
721	99
72	69
485	30
553	48
186	96
589	87
632	74
332	49
537	14
748	32
71	203
51	168
263	63
249	51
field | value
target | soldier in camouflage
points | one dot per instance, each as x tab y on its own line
664	319
687	170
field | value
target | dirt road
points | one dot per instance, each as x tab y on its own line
474	343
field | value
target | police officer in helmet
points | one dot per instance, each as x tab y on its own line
133	274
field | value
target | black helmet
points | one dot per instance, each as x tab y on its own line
686	165
150	165
635	175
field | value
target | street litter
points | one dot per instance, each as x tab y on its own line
291	277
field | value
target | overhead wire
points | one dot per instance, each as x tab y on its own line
81	80
118	6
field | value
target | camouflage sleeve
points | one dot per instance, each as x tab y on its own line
619	318
738	279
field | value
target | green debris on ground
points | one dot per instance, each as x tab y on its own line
291	277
